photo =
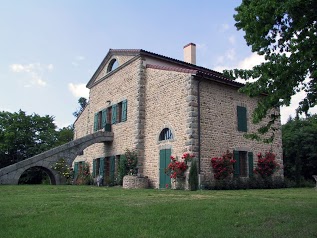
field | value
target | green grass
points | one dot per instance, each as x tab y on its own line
86	211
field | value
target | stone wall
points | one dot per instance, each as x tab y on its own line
219	130
166	106
121	60
120	85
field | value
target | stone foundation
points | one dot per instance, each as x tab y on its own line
130	181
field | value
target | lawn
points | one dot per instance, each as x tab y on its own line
86	211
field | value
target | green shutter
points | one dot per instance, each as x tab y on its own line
124	110
104	118
102	167
114	114
242	118
250	157
75	170
112	167
94	168
162	169
96	122
237	163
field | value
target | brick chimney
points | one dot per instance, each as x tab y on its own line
190	53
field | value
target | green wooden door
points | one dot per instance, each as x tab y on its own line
165	159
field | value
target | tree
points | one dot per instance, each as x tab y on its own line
300	148
82	103
285	33
23	136
64	135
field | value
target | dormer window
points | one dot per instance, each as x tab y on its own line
112	65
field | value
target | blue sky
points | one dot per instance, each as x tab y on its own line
50	49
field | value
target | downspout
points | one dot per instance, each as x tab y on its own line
199	134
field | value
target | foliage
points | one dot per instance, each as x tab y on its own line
266	165
300	149
187	157
23	136
132	161
84	177
223	166
285	33
70	210
34	175
176	168
64	170
64	135
248	183
127	165
82	103
193	176
122	170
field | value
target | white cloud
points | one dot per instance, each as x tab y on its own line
77	59
251	61
231	54
34	72
80	58
232	40
79	90
224	27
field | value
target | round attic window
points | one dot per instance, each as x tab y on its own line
112	65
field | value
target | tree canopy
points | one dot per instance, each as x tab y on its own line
23	136
285	33
82	104
300	148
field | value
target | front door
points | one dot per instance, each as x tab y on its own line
165	179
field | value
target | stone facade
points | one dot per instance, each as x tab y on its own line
197	105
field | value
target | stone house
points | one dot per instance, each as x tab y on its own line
161	106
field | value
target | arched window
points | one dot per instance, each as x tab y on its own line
166	134
112	65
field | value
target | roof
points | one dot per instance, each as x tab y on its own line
181	66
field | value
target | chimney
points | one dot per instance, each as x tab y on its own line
190	53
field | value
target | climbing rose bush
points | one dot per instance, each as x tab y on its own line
177	168
187	157
266	165
223	166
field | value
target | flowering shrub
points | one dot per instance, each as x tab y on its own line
64	170
223	166
177	168
187	157
84	176
266	165
132	161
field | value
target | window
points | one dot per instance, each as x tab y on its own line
105	167
100	120
166	134
243	167
78	169
119	112
115	114
242	118
112	65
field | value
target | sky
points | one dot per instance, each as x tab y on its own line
51	48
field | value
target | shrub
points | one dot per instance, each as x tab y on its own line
176	168
128	165
64	170
84	177
223	166
266	165
193	177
